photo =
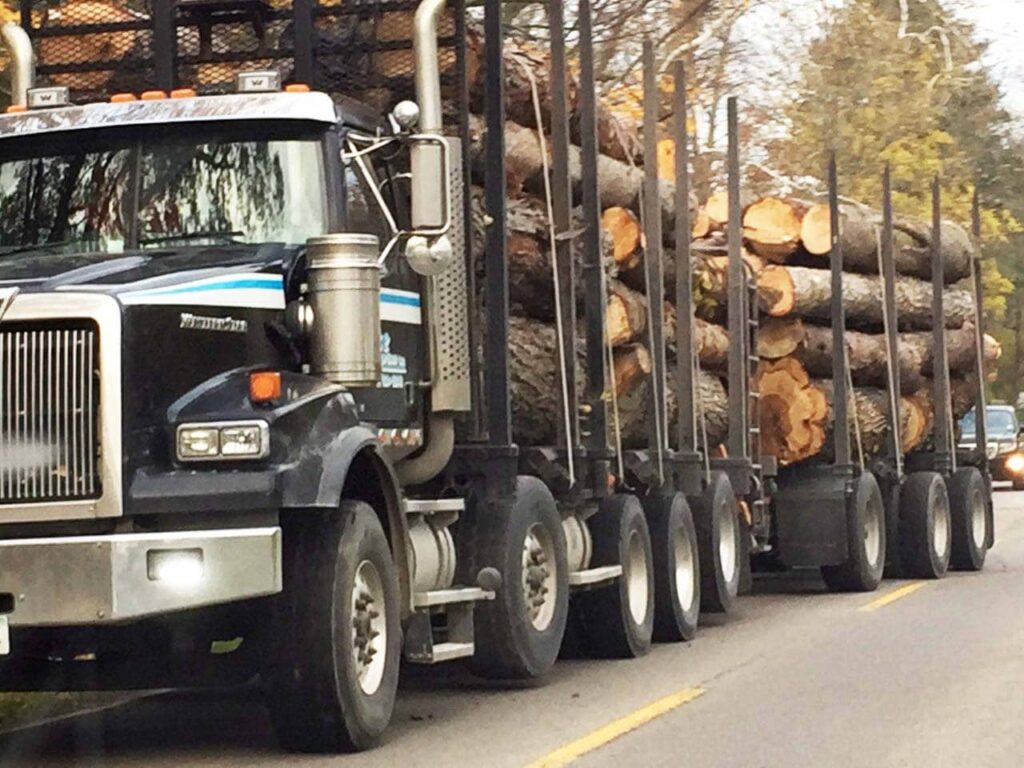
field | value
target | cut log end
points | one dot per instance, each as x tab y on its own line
771	226
778	338
624	228
816	230
776	291
701	224
717	209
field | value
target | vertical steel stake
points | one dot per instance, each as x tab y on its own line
943	411
892	328
685	357
841	394
738	313
499	415
980	421
593	271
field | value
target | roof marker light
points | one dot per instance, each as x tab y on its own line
265	81
46	98
183	93
153	95
15	109
122	98
296	88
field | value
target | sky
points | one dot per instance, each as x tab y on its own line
1001	23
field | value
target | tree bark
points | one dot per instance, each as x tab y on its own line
860	232
785	291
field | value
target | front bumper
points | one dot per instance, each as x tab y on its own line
82	580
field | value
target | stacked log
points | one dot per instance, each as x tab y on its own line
786	244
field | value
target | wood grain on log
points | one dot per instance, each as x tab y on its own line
771	227
785	291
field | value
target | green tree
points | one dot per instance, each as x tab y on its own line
902	84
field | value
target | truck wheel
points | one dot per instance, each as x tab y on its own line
335	671
519	633
865	532
1018	483
924	526
716	516
617	621
676	567
968	506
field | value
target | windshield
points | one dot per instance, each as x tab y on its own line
996	421
149	188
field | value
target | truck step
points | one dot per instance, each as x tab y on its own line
450	596
447	652
593	577
434	506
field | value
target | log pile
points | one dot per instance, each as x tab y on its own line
786	248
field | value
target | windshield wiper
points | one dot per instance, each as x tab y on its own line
228	237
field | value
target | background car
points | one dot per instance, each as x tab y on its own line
1003	438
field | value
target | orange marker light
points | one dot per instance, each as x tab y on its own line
153	95
122	98
264	386
183	93
16	109
296	88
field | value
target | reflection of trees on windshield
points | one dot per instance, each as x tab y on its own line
66	197
253	190
212	187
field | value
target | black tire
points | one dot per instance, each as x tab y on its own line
893	561
676	567
606	624
924	526
511	643
316	699
716	517
1018	483
968	507
865	533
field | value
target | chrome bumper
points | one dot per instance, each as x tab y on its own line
105	579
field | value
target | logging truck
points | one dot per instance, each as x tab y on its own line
262	396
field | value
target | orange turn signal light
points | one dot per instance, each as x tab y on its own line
183	93
153	95
264	386
122	98
16	109
296	88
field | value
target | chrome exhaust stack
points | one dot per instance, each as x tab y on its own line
22	69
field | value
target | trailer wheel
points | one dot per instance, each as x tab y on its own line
617	621
865	532
334	673
519	633
924	526
716	517
968	506
676	567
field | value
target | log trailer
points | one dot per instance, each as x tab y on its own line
254	394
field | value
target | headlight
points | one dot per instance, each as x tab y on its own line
223	441
1015	463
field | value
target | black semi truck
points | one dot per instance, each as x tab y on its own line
254	390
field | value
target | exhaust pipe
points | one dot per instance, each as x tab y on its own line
428	73
23	61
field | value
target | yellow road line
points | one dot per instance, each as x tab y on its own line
894	595
576	749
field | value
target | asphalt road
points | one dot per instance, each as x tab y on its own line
920	674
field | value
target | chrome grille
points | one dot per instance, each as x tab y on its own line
49	401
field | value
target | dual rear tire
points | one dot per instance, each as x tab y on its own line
866	538
925	527
719	538
676	567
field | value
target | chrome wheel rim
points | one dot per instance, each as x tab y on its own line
873	534
727	544
940	540
979	520
636	576
369	627
682	548
540	583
